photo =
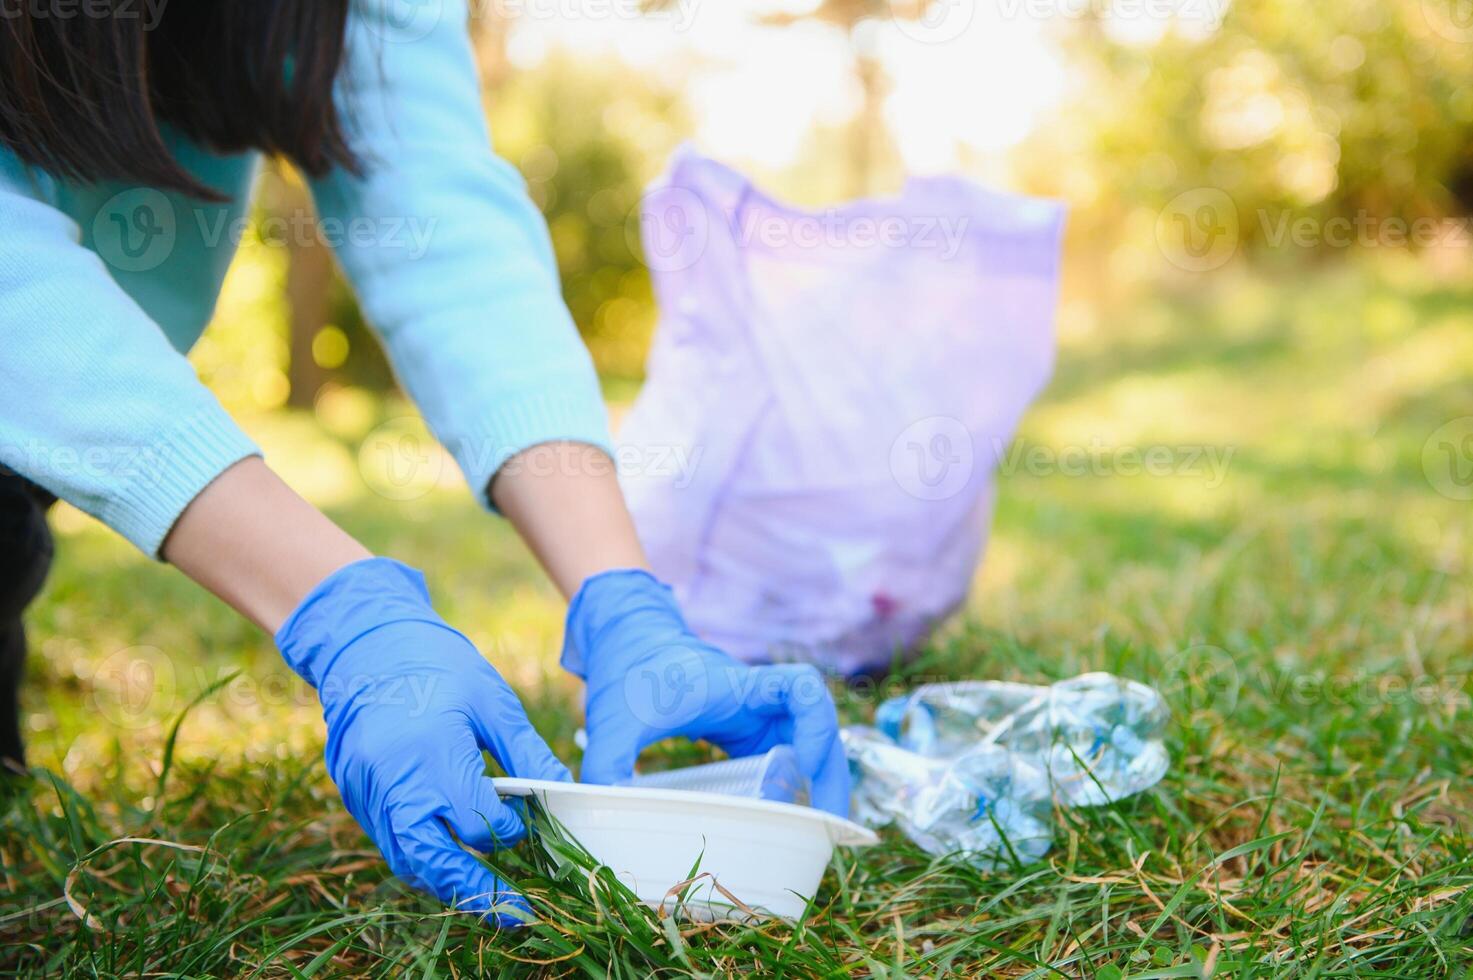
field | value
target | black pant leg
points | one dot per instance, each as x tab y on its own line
12	668
25	556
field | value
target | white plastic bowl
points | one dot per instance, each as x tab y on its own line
769	856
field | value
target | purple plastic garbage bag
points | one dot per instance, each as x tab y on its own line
810	461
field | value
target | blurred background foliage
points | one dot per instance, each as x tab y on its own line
587	137
1361	110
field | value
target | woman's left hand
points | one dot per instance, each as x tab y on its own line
650	678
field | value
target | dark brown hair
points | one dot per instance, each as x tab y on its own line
83	96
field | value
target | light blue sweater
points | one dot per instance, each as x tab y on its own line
103	289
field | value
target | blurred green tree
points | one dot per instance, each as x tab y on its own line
873	157
1361	109
588	135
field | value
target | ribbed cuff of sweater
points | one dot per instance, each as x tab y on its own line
171	473
515	424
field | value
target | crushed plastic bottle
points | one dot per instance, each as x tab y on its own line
945	719
985	802
1098	737
1015	748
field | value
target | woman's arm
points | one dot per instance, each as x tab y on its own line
451	261
564	500
362	631
250	540
471	312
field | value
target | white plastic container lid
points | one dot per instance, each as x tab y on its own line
769	856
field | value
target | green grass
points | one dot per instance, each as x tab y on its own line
1307	614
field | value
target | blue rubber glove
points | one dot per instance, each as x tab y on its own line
409	704
650	678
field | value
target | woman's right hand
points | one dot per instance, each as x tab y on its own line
409	704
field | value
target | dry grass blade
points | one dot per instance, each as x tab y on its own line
78	909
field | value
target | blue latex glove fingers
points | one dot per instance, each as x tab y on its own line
611	754
501	724
650	677
831	784
479	817
426	855
666	693
795	698
410	704
701	693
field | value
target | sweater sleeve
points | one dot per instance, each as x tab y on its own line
450	259
95	405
